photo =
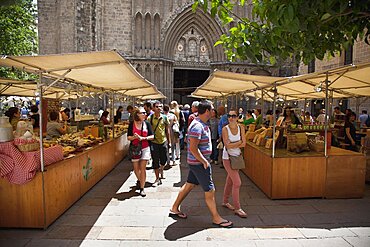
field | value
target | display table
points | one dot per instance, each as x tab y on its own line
41	201
305	175
20	167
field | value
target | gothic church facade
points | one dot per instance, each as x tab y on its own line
161	38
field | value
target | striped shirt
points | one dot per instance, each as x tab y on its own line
199	130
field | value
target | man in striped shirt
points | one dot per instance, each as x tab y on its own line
200	172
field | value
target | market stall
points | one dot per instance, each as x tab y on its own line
41	200
280	173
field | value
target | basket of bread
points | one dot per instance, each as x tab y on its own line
27	143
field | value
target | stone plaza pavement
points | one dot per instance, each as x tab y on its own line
112	214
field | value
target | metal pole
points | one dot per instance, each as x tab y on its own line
274	125
304	111
262	103
40	89
326	114
112	115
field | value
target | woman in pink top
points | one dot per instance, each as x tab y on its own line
140	130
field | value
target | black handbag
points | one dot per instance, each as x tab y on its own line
134	151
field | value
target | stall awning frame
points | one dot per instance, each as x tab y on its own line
105	70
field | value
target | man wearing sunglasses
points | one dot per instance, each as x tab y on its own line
160	128
200	171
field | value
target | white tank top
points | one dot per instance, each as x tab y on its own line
232	138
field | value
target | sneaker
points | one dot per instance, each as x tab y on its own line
216	162
142	193
159	182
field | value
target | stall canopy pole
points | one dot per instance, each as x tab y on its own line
40	91
274	125
41	106
304	110
326	114
262	102
112	114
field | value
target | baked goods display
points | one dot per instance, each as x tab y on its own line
79	141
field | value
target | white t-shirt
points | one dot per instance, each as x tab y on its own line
232	138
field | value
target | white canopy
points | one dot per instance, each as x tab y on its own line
28	89
348	81
222	83
107	70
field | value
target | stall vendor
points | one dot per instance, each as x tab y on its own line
350	131
13	114
248	118
104	118
290	117
64	114
259	119
55	129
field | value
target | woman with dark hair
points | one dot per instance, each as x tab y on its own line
118	116
350	131
104	117
140	131
13	114
248	118
234	139
259	119
64	114
290	117
35	117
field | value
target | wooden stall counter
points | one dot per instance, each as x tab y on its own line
64	183
305	175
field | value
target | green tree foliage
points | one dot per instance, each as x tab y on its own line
301	30
18	35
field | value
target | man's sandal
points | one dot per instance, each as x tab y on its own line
178	215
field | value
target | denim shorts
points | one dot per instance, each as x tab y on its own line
198	175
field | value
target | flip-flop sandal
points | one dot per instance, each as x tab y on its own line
179	215
222	224
241	213
228	206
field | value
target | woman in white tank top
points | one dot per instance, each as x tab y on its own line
233	137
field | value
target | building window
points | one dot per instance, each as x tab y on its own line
311	66
348	55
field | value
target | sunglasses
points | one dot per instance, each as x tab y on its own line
158	106
232	115
142	112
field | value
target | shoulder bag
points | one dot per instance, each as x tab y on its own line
237	162
134	151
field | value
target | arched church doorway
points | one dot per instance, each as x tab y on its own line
185	82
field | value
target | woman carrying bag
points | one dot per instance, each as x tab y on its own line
232	157
139	133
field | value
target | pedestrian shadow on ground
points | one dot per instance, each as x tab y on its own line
133	192
183	228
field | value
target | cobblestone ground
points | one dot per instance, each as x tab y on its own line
113	214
